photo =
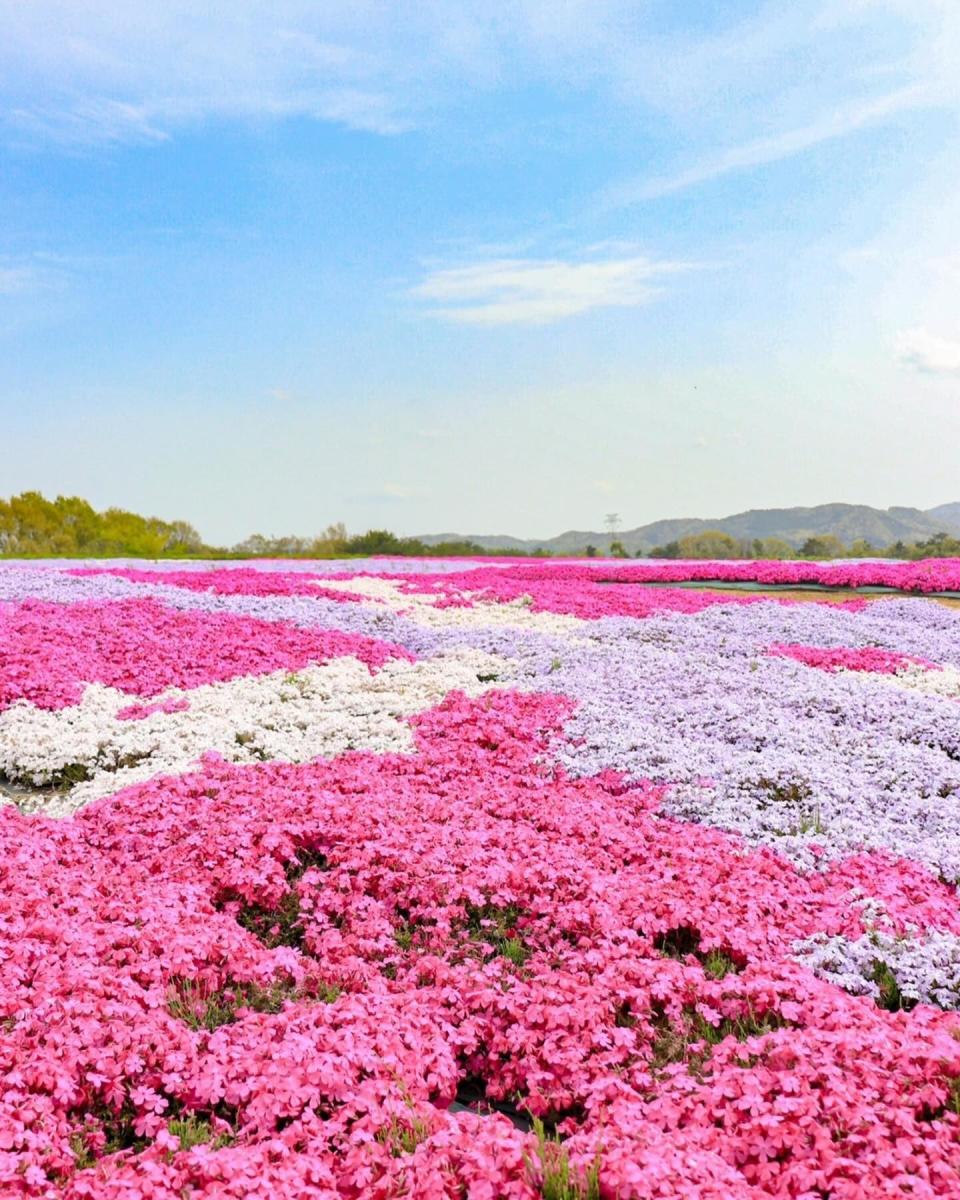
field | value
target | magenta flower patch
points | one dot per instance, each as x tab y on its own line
482	881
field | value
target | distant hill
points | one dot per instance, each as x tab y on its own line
948	513
849	522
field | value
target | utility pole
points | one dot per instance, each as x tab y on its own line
612	522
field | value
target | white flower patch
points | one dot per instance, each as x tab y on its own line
924	966
421	608
940	681
291	717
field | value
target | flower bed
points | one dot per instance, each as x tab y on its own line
478	885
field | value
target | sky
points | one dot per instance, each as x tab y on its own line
494	267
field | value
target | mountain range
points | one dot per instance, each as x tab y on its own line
849	522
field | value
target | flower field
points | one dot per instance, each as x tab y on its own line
490	880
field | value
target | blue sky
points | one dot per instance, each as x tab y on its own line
487	268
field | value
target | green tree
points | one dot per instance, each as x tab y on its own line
33	525
711	543
670	550
774	547
824	545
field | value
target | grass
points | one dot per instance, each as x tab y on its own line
553	1174
684	941
403	936
69	775
403	1137
795	794
118	1131
495	925
83	1156
208	1009
890	998
203	1008
275	927
282	925
674	1044
193	1130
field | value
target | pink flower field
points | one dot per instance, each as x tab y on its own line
484	880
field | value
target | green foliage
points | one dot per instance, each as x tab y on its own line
684	942
206	1008
193	1131
711	543
83	1156
941	545
773	547
209	1008
693	1039
329	544
496	926
382	541
553	1174
825	545
717	964
32	526
890	996
68	775
403	1137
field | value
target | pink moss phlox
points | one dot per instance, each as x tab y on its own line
580	591
467	913
49	651
225	581
845	658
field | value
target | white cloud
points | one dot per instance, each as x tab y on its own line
88	122
806	74
111	71
525	291
39	272
760	151
14	280
390	493
85	71
926	352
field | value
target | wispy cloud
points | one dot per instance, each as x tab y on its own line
390	493
114	71
14	280
777	147
87	122
40	272
80	75
798	77
525	291
928	353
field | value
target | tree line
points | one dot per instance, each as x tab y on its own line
69	527
714	543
